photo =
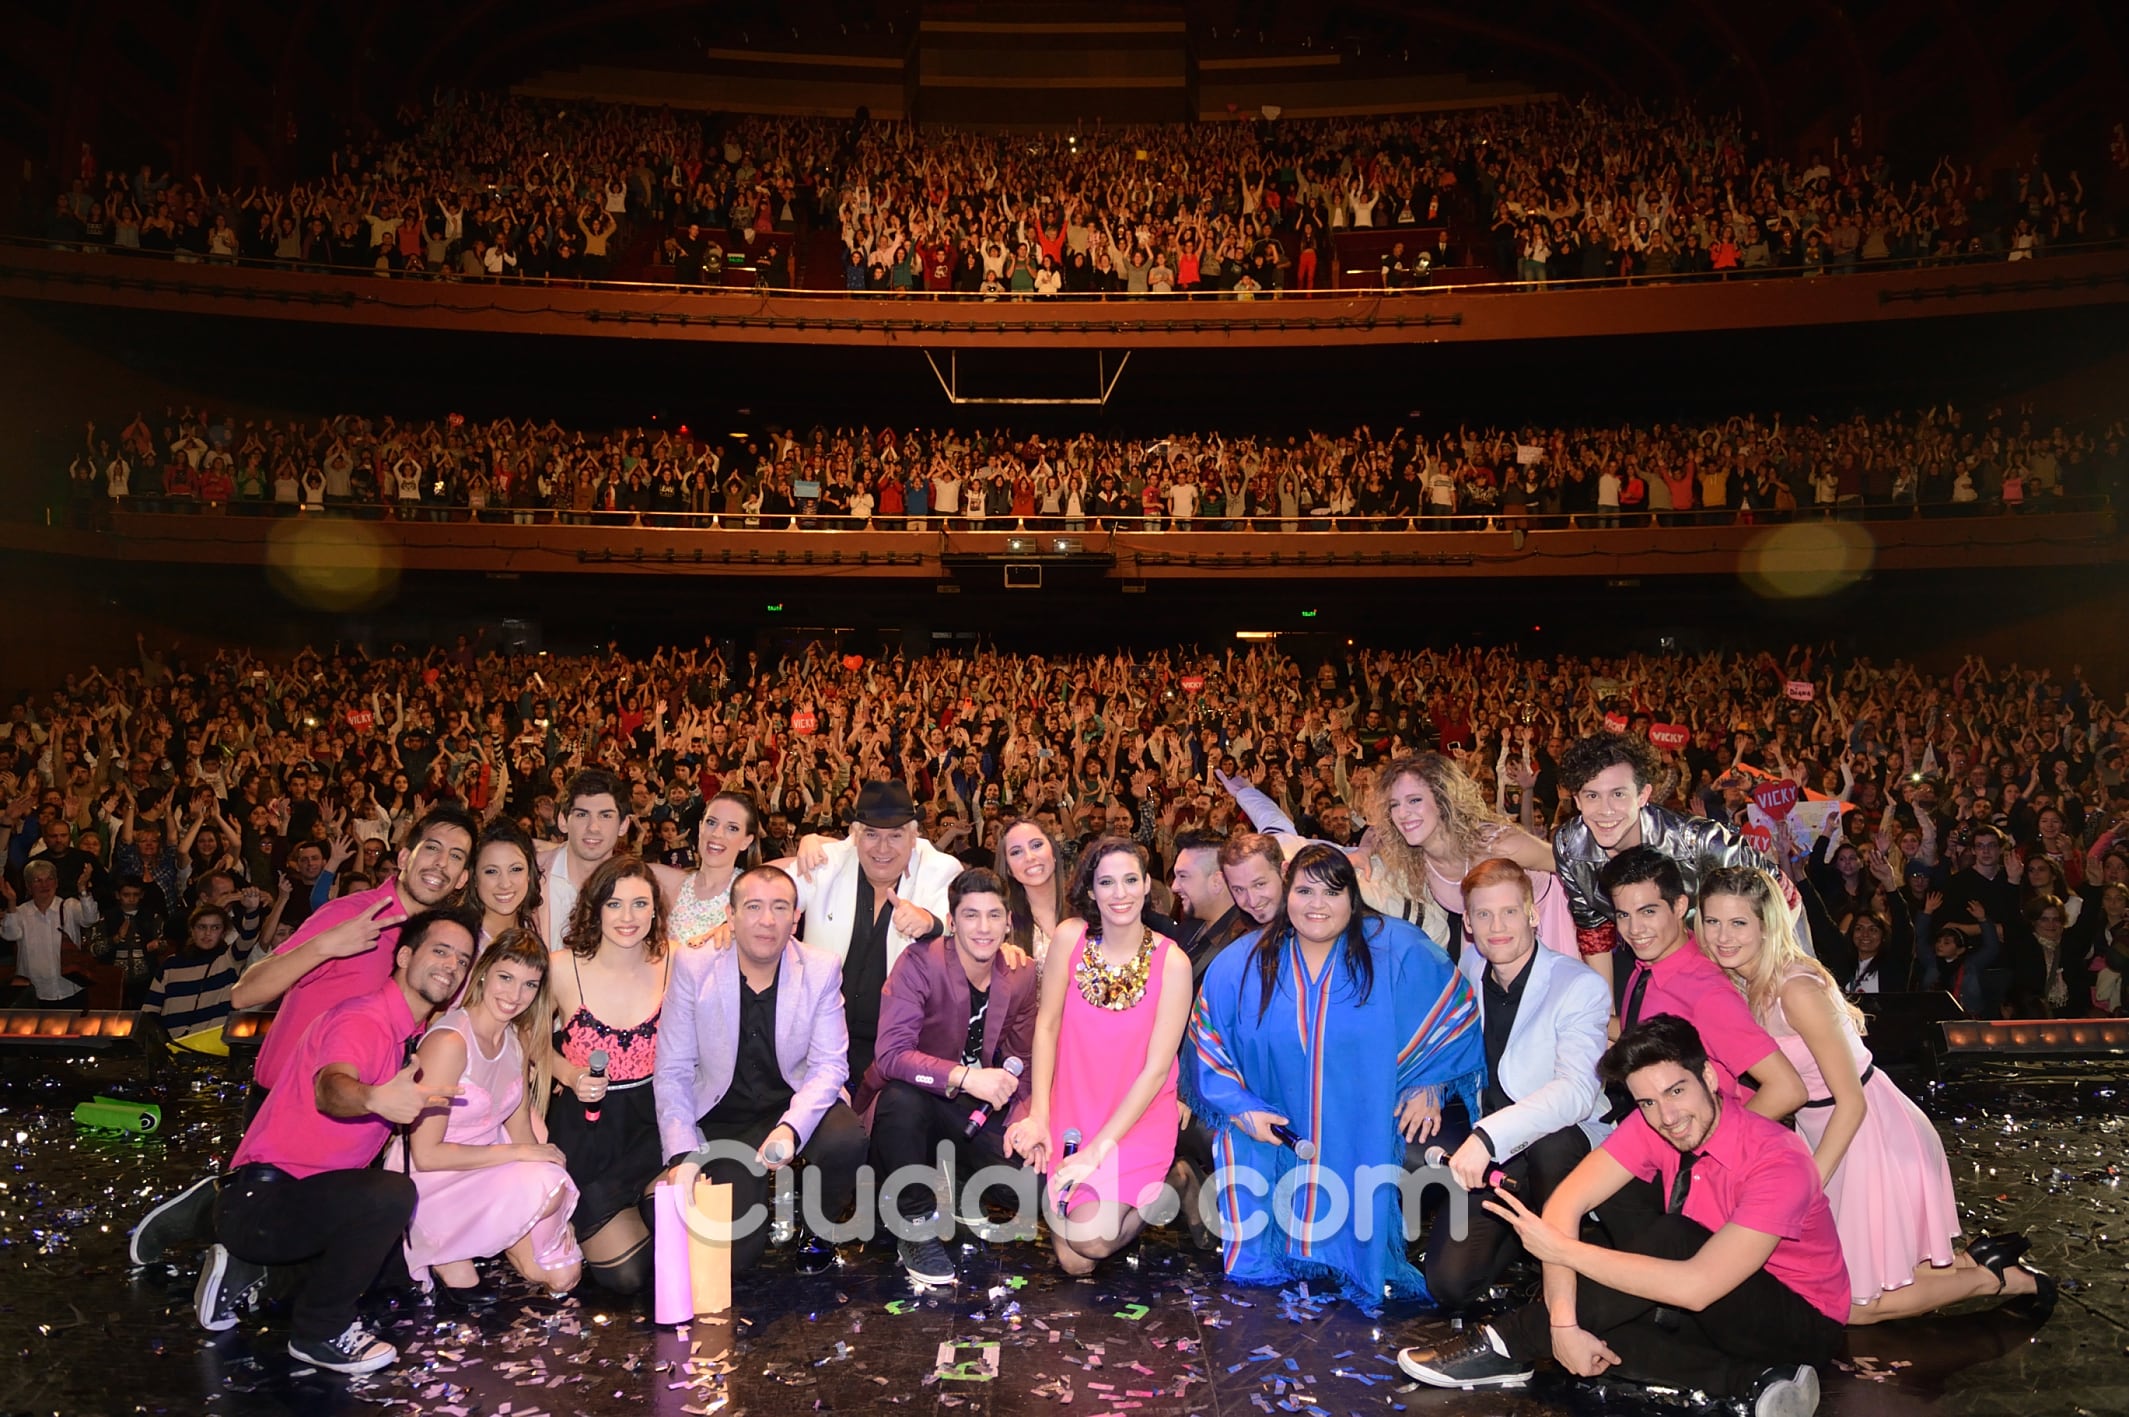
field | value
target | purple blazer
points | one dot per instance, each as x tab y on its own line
698	1040
924	1023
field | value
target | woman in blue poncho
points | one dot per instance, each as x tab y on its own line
1350	1030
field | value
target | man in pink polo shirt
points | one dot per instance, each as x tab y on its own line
344	950
301	1189
1671	976
1738	1289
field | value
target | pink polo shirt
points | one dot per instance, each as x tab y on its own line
334	981
1758	1174
370	1034
1687	983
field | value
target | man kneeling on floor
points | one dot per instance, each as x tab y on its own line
957	1026
1737	1290
301	1187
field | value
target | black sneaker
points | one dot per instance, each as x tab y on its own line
926	1262
225	1283
1473	1363
356	1350
185	1218
1785	1392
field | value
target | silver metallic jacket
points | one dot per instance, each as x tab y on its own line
1695	843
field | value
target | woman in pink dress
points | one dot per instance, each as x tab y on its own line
1880	1159
1115	1000
485	1186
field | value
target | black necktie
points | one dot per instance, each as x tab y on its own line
1682	1183
1634	995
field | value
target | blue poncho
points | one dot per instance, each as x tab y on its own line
1338	1067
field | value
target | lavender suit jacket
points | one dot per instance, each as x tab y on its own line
924	1023
698	1040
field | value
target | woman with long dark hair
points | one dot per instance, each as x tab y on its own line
727	844
1032	865
1107	1031
608	985
1342	1028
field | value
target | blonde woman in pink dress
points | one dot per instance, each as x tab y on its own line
484	1185
1880	1159
1115	999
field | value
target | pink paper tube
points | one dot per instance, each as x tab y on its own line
673	1296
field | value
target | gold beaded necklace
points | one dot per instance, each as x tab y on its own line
1114	987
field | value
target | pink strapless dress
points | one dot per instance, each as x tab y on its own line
470	1215
1892	1195
1099	1053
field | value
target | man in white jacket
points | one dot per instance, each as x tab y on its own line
870	896
1544	1018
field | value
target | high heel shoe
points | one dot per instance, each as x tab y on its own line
2038	1305
1995	1252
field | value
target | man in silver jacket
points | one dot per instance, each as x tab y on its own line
1611	777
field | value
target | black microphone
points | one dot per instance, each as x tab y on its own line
1065	1152
1287	1136
982	1114
596	1066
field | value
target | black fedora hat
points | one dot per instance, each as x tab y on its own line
884	804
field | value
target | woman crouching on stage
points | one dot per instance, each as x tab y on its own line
1879	1158
485	1186
1343	1029
608	983
1114	1003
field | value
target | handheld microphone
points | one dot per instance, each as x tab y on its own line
982	1114
1496	1178
1287	1136
596	1066
1069	1145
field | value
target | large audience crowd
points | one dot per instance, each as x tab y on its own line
485	186
1946	459
146	782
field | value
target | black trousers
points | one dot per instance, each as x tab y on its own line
908	1124
346	1225
836	1150
1721	1350
1459	1271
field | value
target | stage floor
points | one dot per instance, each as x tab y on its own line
1152	1334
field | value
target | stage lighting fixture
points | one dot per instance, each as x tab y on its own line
1966	1041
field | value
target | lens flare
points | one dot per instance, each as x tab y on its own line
332	565
1806	560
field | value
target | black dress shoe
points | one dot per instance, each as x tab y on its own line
473	1299
1994	1252
814	1255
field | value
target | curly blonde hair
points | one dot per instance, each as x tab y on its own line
1465	814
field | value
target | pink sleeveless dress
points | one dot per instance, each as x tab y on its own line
1099	1053
470	1215
1892	1196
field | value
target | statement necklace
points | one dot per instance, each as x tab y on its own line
1114	988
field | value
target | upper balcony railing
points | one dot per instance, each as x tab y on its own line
2090	273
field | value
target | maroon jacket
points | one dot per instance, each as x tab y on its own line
924	1023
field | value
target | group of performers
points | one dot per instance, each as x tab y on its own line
1588	1050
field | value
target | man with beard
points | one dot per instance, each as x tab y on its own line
345	950
595	821
301	1190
